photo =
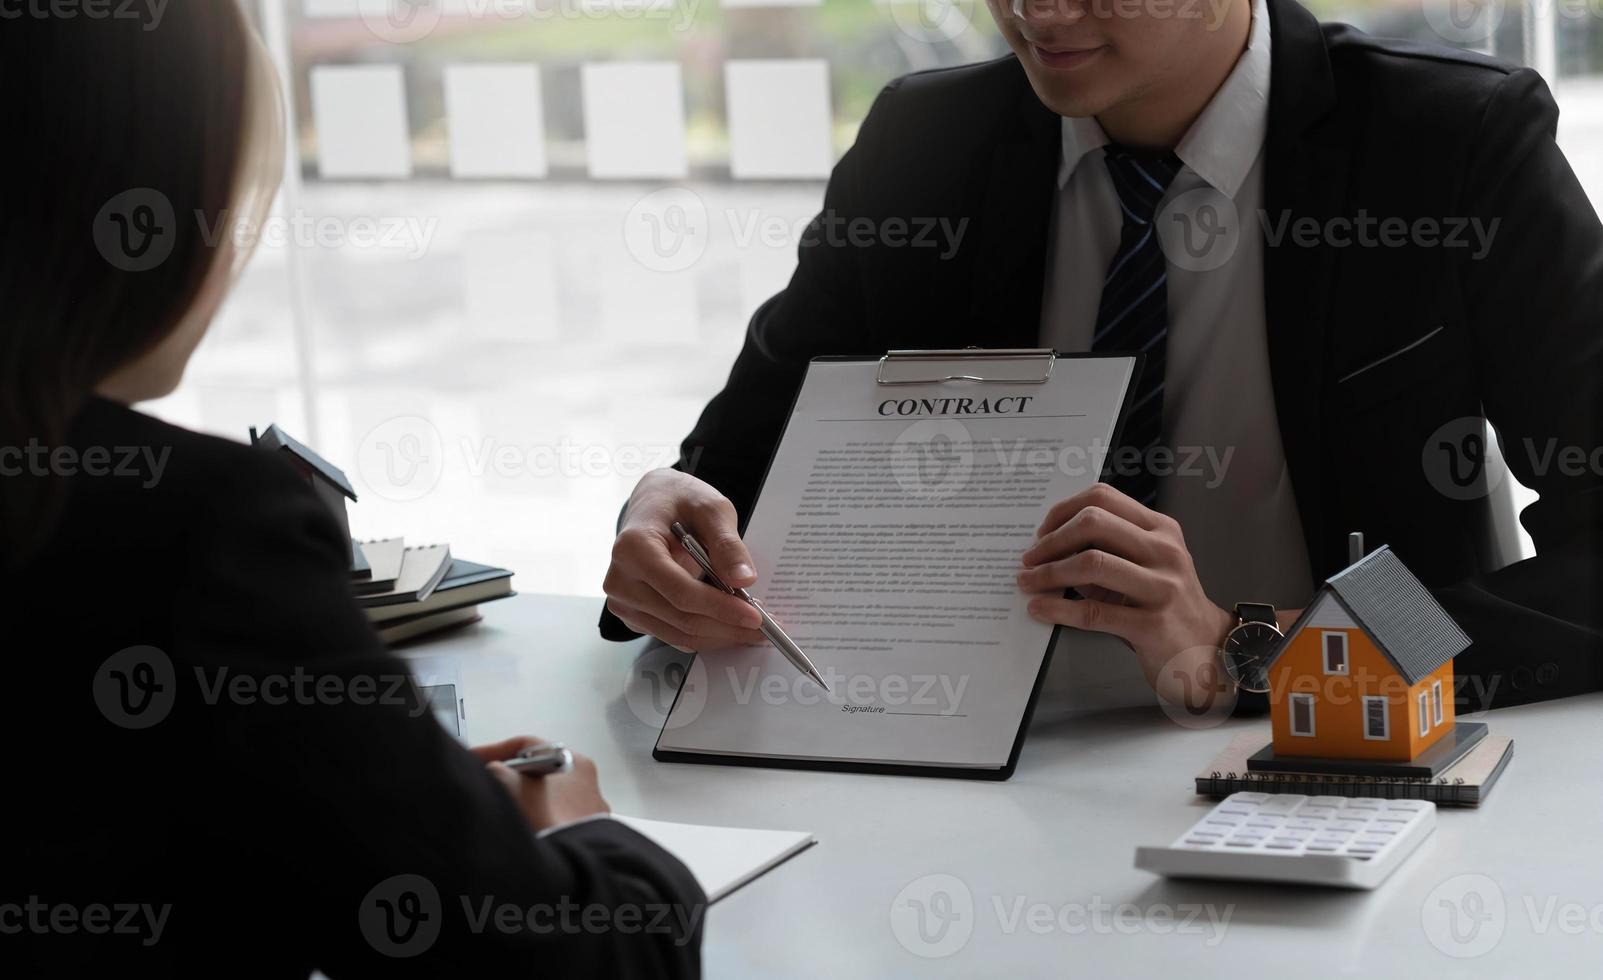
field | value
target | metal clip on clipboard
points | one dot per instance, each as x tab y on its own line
1017	366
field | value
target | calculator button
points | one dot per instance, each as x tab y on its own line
1267	822
1412	805
1282	845
1363	804
1323	848
1247	798
1303	823
1350	824
1201	841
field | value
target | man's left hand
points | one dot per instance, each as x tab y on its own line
1136	574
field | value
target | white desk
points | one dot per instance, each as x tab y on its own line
1061	836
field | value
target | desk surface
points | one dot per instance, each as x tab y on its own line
1035	876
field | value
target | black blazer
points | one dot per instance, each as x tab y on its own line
1363	378
264	816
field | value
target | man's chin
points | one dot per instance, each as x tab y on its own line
1074	99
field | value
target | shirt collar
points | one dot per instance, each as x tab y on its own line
1222	145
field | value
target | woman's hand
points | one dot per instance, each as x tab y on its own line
546	801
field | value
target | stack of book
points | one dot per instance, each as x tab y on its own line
408	592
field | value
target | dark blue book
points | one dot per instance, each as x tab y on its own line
465	583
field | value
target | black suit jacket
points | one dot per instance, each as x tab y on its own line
265	815
1357	126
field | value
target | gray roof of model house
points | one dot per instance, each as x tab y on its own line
277	439
1406	622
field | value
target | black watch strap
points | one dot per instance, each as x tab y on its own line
1256	612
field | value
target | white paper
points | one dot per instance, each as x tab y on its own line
779	118
721	858
634	120
887	545
360	113
497	123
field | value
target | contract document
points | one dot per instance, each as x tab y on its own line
887	538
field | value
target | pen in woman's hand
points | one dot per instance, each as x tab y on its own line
542	760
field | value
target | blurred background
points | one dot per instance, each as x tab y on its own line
520	239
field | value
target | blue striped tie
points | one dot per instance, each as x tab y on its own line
1134	315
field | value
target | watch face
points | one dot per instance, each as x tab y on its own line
1246	655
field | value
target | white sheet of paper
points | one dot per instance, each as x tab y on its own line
634	120
722	858
497	123
360	113
887	546
779	118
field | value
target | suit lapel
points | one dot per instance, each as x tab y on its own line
1306	169
1015	209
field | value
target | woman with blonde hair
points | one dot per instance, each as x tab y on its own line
216	768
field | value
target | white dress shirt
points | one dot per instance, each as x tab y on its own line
1235	505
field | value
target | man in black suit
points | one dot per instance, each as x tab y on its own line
1408	253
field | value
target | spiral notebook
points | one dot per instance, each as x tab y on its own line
1466	783
422	569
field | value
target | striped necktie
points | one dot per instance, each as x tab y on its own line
1134	314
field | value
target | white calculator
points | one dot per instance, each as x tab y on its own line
1309	840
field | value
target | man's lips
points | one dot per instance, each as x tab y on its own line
1065	59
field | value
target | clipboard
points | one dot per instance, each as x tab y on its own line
899	368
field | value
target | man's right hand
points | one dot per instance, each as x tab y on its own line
655	587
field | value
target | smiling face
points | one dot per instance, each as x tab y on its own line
1098	57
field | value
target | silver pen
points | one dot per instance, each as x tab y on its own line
542	760
771	629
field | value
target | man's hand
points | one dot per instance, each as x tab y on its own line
654	585
1132	566
546	801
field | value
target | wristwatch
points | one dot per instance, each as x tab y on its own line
1249	646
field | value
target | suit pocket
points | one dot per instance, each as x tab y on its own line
1429	360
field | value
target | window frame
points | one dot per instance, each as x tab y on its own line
1324	653
1436	702
1423	702
1385	719
1313	727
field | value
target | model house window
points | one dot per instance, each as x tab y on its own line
1424	715
1335	653
1302	714
1436	703
1375	726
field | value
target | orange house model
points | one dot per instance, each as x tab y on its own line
1367	672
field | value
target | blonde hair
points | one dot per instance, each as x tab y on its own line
262	145
195	114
